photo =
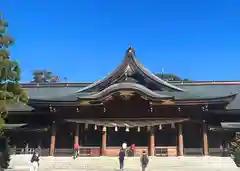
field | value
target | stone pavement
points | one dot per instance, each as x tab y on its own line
22	163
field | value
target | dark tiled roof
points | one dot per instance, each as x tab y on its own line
42	92
216	90
19	107
200	88
13	126
48	92
147	83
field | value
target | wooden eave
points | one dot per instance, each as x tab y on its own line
118	122
124	89
154	98
49	104
155	102
207	101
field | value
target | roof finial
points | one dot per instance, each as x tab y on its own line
130	49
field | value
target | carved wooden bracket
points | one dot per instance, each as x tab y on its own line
109	98
126	95
84	102
168	102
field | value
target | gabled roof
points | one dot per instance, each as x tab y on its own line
193	90
128	68
131	76
156	95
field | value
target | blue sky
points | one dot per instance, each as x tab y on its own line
85	40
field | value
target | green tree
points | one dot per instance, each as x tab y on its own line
235	144
10	88
169	77
235	148
44	76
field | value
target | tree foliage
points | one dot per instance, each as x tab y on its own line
235	148
10	88
235	144
4	153
171	77
44	76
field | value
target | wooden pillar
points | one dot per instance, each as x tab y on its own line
152	142
53	138
205	138
76	134
104	141
180	139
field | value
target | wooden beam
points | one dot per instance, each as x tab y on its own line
180	139
104	142
53	138
129	123
205	138
76	134
152	142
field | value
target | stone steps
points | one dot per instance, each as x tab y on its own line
105	163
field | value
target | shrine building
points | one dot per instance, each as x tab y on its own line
131	105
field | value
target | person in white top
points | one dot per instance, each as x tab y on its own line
124	146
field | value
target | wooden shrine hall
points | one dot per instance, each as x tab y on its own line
129	105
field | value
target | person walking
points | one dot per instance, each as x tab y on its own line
133	148
76	150
121	156
35	161
144	160
124	147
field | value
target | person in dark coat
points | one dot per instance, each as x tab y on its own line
144	160
121	156
35	161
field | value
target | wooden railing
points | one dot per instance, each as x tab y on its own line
89	151
193	151
159	151
218	152
83	151
43	152
113	151
166	151
63	152
199	151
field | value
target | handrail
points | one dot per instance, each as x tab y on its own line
43	152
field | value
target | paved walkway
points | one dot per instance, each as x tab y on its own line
129	169
21	163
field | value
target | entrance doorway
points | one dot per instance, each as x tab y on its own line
116	138
192	139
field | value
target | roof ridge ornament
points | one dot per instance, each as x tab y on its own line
128	71
130	49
